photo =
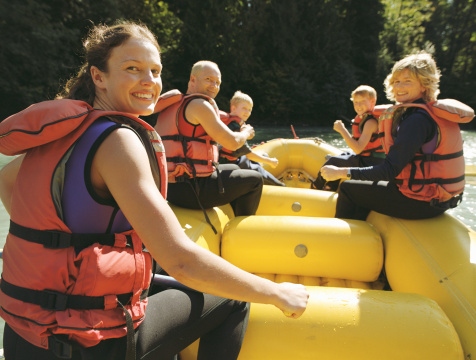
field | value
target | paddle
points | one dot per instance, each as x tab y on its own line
294	133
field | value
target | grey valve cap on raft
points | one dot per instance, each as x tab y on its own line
296	206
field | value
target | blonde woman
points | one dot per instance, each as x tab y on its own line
423	172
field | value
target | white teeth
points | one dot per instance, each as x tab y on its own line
144	96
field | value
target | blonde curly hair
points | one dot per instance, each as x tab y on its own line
423	67
239	97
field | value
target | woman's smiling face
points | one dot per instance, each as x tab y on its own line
406	87
133	82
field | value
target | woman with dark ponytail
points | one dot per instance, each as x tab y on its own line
88	215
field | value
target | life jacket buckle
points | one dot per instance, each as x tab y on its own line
58	240
449	204
61	348
53	300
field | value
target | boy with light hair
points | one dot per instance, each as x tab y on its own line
241	105
363	141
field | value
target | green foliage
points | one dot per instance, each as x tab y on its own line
299	60
453	33
282	53
36	52
42	42
404	30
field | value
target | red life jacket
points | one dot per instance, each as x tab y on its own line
89	287
227	120
190	151
438	176
374	145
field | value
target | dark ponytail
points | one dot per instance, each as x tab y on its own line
98	46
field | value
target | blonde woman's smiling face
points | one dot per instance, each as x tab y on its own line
406	87
133	80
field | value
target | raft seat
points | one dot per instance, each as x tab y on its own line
308	250
326	268
339	323
277	200
198	230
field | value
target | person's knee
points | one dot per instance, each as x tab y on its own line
344	187
258	179
252	176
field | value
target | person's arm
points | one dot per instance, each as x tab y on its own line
242	151
200	111
414	131
8	176
120	168
253	156
357	146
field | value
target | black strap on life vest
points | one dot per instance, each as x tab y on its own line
63	348
423	158
182	138
373	137
56	301
184	159
438	157
194	185
449	204
52	239
181	159
192	181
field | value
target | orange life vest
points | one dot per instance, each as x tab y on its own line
438	176
374	145
190	151
227	120
88	287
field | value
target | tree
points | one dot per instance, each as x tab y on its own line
276	51
41	42
452	30
304	60
299	60
33	55
404	30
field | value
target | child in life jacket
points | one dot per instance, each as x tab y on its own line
364	142
241	106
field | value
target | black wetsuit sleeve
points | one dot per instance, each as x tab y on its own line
234	126
415	129
245	149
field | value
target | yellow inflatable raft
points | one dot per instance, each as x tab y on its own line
384	288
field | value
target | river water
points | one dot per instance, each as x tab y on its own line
464	212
